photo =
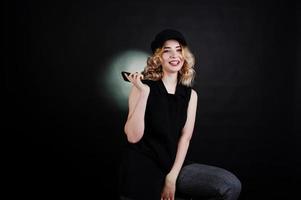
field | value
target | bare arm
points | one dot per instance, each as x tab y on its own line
134	126
187	132
183	144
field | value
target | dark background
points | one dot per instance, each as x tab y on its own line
66	136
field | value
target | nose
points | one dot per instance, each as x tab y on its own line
172	55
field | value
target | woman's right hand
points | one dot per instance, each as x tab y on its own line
135	79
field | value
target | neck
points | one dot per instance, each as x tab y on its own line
170	78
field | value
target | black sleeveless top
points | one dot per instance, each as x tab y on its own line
146	163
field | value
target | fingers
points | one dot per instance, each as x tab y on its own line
169	196
134	77
137	76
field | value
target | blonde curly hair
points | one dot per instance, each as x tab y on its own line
153	69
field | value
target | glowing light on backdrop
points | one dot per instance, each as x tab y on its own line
131	61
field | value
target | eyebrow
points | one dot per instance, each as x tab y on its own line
170	47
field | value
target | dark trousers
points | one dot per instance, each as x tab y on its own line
204	182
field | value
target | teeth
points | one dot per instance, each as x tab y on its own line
174	62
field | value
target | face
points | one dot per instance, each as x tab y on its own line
172	58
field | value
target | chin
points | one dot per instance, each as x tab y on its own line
174	70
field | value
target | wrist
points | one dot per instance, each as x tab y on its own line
173	173
171	177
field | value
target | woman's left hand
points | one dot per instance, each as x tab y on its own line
169	188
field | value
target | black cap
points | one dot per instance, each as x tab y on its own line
165	35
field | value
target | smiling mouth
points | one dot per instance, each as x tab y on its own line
174	62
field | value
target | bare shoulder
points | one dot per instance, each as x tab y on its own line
193	92
194	95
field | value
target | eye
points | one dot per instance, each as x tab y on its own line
165	51
179	50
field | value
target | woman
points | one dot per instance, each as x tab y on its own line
160	123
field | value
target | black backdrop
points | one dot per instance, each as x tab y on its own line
66	135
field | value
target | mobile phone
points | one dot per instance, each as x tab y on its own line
124	77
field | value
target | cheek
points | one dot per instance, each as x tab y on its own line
164	60
165	57
181	57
